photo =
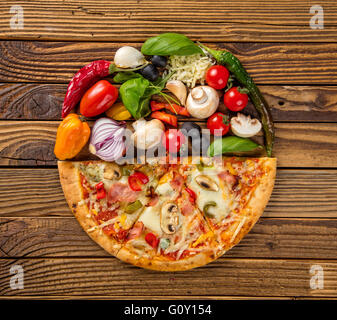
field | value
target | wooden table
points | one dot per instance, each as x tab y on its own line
295	67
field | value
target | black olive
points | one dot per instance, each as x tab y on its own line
159	61
191	129
150	72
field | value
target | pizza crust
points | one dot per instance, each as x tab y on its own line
254	208
159	264
70	182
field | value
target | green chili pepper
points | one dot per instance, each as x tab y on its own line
132	207
206	208
202	165
125	171
234	66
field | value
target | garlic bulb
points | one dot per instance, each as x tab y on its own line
147	133
128	57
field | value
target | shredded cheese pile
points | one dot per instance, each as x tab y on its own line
189	69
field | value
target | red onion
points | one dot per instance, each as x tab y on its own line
107	139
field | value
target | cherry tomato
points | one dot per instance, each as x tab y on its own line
99	98
152	240
235	100
217	77
137	179
218	124
172	140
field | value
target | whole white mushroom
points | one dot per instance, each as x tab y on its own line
202	102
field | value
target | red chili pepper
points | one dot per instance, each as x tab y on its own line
152	240
192	194
101	194
137	179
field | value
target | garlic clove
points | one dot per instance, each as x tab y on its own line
128	57
244	126
178	88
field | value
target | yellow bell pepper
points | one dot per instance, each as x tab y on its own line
118	112
72	135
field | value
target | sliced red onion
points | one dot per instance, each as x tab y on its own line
107	139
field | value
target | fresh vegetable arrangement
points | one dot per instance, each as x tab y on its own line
170	78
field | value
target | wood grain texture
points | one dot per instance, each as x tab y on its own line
137	20
37	192
267	63
270	238
288	103
296	144
225	276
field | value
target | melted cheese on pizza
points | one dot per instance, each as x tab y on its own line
222	197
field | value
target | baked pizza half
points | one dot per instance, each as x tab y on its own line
168	217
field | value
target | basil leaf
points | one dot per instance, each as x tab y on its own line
121	77
232	144
132	92
168	44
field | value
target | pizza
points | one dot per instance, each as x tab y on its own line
168	217
191	195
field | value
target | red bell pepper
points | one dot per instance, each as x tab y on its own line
165	117
152	240
192	194
100	191
174	108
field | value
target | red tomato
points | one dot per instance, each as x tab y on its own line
99	98
217	77
235	100
152	240
218	124
137	179
172	140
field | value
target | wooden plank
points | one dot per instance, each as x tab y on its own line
268	63
270	238
289	103
136	20
297	193
224	277
68	297
296	144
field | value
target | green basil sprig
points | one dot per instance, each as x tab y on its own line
231	145
168	44
136	93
